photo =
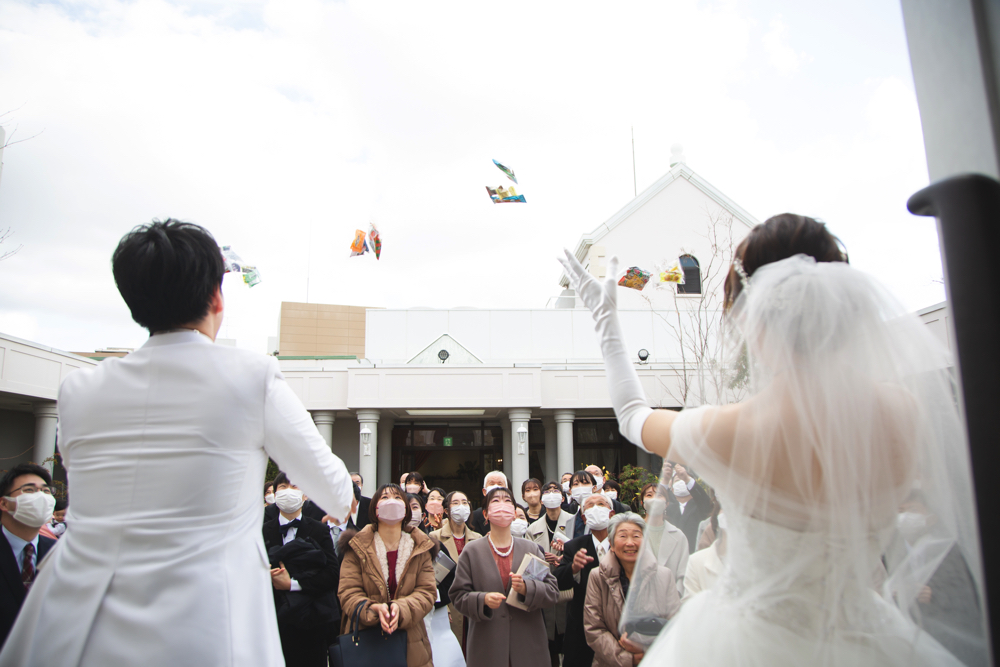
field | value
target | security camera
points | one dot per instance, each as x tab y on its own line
643	356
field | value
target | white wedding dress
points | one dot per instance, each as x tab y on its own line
850	413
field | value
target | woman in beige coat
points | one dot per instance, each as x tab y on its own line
608	587
454	534
501	635
553	521
392	568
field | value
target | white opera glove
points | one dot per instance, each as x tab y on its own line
627	395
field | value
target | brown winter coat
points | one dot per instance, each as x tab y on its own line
361	579
507	635
448	542
602	609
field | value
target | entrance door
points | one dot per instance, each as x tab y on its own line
453	456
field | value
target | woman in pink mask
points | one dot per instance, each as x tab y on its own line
389	565
501	634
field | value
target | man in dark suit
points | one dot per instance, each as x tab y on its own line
29	487
305	639
359	518
688	506
580	556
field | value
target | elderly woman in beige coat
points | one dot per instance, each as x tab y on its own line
608	587
501	635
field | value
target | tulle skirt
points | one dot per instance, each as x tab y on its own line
711	630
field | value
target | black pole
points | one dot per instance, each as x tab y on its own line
967	208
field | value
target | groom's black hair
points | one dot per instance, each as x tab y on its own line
167	273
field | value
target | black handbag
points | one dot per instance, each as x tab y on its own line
368	647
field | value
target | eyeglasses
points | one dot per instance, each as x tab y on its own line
31	488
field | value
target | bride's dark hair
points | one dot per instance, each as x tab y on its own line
778	238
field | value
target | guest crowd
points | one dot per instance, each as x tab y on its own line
484	581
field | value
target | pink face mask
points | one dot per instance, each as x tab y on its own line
435	507
391	510
501	514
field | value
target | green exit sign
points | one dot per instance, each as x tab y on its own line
447	441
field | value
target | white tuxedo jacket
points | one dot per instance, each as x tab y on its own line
163	562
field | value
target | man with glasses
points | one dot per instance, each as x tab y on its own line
25	507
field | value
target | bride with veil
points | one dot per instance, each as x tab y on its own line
851	416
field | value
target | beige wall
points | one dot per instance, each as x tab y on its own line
319	329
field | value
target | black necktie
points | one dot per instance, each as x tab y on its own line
294	523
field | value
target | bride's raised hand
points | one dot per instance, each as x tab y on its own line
600	296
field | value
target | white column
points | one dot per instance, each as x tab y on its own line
551	452
368	451
519	419
507	456
384	453
46	417
324	424
564	440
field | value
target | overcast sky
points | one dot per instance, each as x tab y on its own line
284	126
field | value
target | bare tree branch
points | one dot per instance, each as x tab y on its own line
4	235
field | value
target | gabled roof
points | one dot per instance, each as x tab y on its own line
680	170
442	342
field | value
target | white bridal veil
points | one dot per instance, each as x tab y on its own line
844	476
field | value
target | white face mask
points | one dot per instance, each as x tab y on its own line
460	513
413	488
269	499
581	493
611	495
518	527
565	486
597	517
494	486
599	483
912	525
723	522
289	501
416	517
681	488
33	509
552	499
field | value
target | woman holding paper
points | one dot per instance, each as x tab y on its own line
504	608
454	535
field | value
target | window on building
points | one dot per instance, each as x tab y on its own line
692	275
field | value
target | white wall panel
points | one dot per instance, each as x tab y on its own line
423	327
471	329
510	335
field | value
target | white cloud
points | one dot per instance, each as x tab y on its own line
780	54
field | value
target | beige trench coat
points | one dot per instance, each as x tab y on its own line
507	635
602	609
447	538
361	579
538	532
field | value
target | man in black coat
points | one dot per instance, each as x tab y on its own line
305	640
688	506
359	518
22	548
580	556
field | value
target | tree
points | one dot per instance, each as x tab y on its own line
708	372
4	235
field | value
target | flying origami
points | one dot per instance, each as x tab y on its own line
505	196
376	239
359	246
235	264
635	278
510	174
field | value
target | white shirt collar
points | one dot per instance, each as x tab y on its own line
598	544
282	520
17	544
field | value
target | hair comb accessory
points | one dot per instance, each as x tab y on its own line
738	267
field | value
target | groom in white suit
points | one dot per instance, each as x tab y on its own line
165	451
